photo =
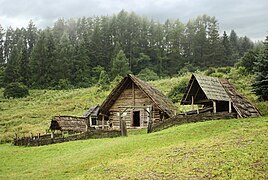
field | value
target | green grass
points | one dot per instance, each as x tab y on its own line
33	113
224	149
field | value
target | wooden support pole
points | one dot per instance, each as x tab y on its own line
102	122
214	107
123	126
192	102
52	134
87	120
150	124
133	93
230	106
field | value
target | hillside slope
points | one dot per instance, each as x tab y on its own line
235	148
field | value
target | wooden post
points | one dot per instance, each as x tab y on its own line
150	124
214	107
38	135
230	106
197	111
102	122
123	126
192	102
52	134
133	93
87	124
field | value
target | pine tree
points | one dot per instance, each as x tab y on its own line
120	65
260	87
227	49
2	59
12	71
43	61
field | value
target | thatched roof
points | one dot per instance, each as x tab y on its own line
158	98
92	111
242	106
68	123
205	89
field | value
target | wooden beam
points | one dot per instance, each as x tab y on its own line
214	107
189	89
133	93
102	122
230	106
192	103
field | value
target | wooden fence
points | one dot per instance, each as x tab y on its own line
47	139
188	118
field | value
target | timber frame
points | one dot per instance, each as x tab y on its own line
218	94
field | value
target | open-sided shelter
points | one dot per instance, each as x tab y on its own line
133	100
218	94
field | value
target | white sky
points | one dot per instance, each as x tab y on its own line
246	17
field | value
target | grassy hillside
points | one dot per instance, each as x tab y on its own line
33	113
225	149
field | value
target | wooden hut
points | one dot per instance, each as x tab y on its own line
77	123
136	102
92	115
218	95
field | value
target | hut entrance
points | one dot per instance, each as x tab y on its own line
136	118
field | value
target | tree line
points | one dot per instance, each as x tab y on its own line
75	52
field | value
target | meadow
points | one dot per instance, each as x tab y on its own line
33	114
224	149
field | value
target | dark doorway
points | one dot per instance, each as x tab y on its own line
136	118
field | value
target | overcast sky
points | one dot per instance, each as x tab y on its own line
246	17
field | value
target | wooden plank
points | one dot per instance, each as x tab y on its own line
214	107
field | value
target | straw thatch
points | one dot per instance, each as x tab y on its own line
204	88
242	106
92	111
158	98
69	123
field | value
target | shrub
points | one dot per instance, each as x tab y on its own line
148	75
210	71
177	92
263	107
16	90
104	82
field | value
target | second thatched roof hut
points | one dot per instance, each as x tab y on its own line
219	94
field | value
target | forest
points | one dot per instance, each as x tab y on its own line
74	53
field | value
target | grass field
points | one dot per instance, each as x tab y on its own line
224	149
33	113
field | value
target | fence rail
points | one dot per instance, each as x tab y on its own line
47	139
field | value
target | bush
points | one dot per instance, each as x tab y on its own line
263	107
177	92
16	90
148	75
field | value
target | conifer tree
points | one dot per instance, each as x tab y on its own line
120	65
260	85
